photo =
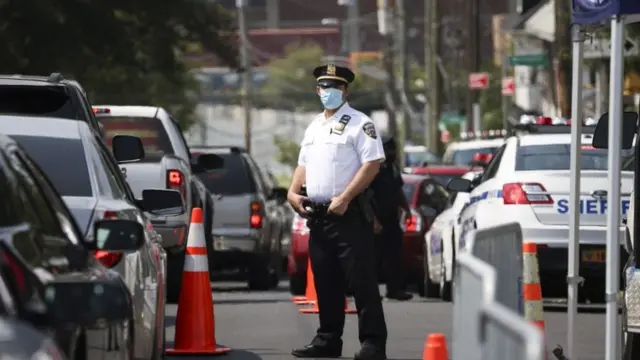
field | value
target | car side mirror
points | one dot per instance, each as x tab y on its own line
428	211
459	185
629	127
206	162
127	148
162	202
279	194
116	235
86	302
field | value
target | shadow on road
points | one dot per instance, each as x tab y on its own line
169	320
249	301
234	288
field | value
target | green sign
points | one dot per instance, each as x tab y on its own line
529	60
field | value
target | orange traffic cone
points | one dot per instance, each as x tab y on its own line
195	323
312	297
310	293
435	347
532	291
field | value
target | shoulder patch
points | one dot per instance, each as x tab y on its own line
370	130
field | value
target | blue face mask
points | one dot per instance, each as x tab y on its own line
331	98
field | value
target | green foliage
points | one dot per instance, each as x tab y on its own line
491	100
288	151
122	52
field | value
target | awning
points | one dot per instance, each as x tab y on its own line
542	23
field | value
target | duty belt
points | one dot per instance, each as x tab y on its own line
317	210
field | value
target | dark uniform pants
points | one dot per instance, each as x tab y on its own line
389	243
342	254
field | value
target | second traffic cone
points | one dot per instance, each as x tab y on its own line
195	324
435	347
531	289
310	296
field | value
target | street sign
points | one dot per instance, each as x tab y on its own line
529	60
597	48
478	80
508	86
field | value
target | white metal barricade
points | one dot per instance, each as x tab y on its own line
487	320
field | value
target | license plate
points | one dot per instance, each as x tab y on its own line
219	244
594	256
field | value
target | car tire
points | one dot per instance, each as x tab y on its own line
431	290
260	273
175	263
298	283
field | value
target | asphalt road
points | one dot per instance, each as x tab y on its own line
266	325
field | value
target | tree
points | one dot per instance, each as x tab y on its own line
122	52
288	151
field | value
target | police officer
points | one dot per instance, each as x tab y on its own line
389	199
339	157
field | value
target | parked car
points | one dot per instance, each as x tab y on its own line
46	96
427	199
441	173
21	341
49	266
87	177
285	216
298	256
167	164
420	156
247	226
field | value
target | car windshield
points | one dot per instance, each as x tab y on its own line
409	190
421	158
47	101
150	130
443	179
233	179
465	157
62	160
556	157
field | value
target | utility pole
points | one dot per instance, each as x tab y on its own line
247	77
387	58
473	58
403	52
434	85
353	13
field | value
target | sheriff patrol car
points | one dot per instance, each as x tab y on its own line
439	247
528	182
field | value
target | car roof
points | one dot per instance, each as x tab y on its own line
128	110
551	139
479	143
41	126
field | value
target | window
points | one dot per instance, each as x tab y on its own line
465	157
150	130
259	178
7	206
46	219
48	101
63	160
557	157
433	195
114	169
421	158
493	166
232	179
106	172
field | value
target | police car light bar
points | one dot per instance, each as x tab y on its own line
551	129
486	134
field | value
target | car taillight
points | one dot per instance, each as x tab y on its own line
108	259
413	222
175	181
525	194
255	219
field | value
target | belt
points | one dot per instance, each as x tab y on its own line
317	210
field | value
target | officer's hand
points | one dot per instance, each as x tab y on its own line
338	206
296	201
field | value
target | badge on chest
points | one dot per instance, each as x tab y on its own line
341	125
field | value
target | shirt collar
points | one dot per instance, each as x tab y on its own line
344	108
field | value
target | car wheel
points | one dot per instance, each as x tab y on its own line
445	286
175	262
298	283
430	289
260	274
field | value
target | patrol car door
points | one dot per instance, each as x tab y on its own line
483	195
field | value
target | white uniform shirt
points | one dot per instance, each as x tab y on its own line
331	159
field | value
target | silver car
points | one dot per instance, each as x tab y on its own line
86	175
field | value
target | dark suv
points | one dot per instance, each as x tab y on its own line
46	96
248	222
